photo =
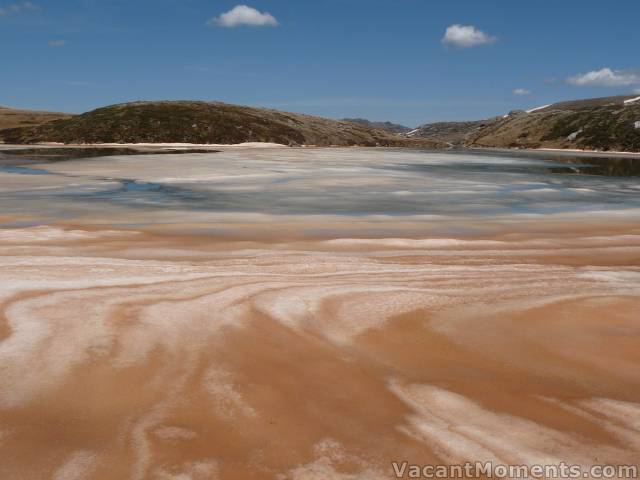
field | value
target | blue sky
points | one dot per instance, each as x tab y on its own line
379	59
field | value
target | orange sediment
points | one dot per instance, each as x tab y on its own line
148	355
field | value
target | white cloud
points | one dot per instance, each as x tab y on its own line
57	43
244	15
18	8
522	91
605	77
465	36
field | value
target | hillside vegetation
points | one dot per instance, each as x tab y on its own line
203	123
454	133
609	123
384	126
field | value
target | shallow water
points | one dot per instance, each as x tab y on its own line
312	182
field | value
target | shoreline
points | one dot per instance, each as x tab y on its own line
14	146
576	152
150	147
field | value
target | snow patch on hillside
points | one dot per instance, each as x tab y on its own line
574	135
538	108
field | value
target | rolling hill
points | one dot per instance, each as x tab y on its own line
203	123
14	117
607	124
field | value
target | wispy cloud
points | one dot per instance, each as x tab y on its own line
19	7
243	15
57	43
605	77
465	36
522	91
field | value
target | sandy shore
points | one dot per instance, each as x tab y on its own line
150	147
135	355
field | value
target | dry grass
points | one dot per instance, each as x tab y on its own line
204	123
13	118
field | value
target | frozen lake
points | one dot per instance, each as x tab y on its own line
302	184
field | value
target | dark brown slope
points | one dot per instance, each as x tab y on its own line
203	123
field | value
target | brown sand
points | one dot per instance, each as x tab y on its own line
137	355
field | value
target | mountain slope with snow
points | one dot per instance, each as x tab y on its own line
608	123
593	124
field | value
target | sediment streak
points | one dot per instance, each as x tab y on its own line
137	355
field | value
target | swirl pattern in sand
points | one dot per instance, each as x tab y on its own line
137	355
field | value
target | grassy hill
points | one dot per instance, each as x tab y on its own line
13	117
594	124
203	123
608	123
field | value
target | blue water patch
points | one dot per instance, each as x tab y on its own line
24	170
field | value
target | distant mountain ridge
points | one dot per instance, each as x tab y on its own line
204	123
453	133
385	126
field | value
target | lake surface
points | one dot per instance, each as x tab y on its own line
307	183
